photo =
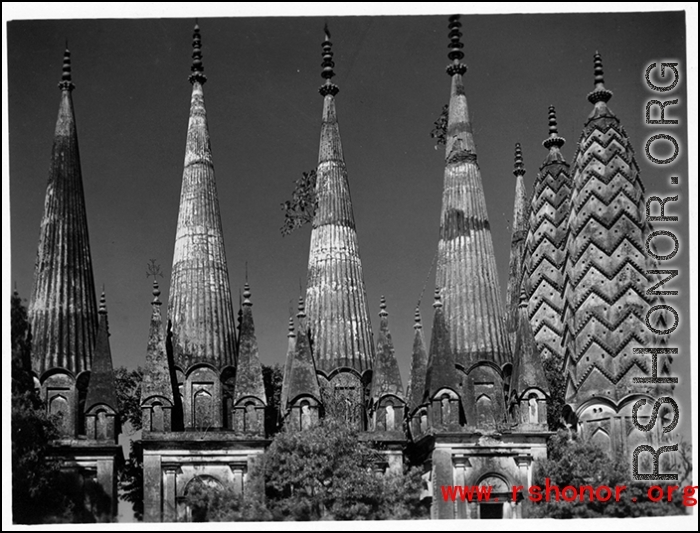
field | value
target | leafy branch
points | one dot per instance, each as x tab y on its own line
302	208
439	131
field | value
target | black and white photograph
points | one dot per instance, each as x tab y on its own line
299	262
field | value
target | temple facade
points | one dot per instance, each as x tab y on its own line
71	359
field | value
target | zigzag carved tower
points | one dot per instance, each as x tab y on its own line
336	303
546	239
606	282
466	267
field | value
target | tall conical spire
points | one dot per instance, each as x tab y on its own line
249	378
302	376
289	360
336	303
606	262
441	372
517	246
544	276
528	372
200	307
101	388
63	310
386	377
466	268
419	365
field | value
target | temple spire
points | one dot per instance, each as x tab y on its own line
289	360
200	307
517	246
101	388
249	379
466	267
528	371
544	251
336	303
419	365
62	310
328	88
441	370
386	377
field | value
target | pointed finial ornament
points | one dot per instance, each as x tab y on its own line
327	73
599	93
519	168
246	295
438	298
456	45
290	328
382	307
156	293
197	67
301	311
416	319
553	139
103	303
523	297
66	83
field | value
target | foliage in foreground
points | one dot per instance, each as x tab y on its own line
301	208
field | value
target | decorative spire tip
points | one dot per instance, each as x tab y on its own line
66	83
416	319
246	295
327	73
382	307
519	168
438	298
599	93
455	46
553	139
103	303
197	66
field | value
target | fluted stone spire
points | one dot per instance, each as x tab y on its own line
336	302
249	378
419	365
200	307
62	310
546	239
606	262
386	377
441	362
101	388
302	376
517	246
466	268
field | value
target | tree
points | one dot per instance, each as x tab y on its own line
127	385
302	207
557	389
439	131
131	479
273	377
575	463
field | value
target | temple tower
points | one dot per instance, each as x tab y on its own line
546	239
606	299
338	318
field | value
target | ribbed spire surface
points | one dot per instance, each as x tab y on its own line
466	268
156	375
200	307
419	365
249	378
546	239
336	301
101	388
441	372
63	310
386	377
606	261
517	246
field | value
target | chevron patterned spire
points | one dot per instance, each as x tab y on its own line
466	267
517	246
606	263
336	302
546	238
62	310
200	307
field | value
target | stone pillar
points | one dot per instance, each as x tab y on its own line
152	485
238	470
461	463
169	493
442	476
106	477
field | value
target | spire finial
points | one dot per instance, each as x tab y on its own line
599	93
553	139
103	302
301	311
456	45
66	83
197	67
523	296
416	319
290	327
327	73
246	295
519	168
438	298
382	307
156	292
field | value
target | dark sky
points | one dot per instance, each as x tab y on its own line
132	101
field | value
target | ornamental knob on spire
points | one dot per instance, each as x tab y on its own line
553	139
156	293
290	328
246	295
66	83
382	308
600	93
301	311
455	46
197	67
519	168
438	298
103	303
327	73
417	324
